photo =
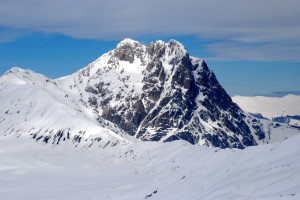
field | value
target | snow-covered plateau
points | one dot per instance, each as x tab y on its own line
148	170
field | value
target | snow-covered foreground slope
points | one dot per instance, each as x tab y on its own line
270	107
176	170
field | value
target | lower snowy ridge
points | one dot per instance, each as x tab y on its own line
148	170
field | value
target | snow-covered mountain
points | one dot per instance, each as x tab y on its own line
284	109
134	92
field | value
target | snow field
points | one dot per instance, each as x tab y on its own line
176	170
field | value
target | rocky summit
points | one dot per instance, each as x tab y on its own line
150	93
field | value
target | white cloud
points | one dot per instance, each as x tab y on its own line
249	21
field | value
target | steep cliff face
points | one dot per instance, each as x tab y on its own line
160	93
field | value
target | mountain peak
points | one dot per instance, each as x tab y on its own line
19	76
173	42
15	70
128	42
128	49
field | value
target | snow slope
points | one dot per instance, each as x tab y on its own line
32	104
270	107
148	170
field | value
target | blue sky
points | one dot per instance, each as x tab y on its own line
252	46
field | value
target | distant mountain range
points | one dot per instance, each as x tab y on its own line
132	93
285	109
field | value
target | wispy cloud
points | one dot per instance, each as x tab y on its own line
274	24
279	94
255	51
8	34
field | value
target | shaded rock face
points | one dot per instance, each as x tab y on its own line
160	93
